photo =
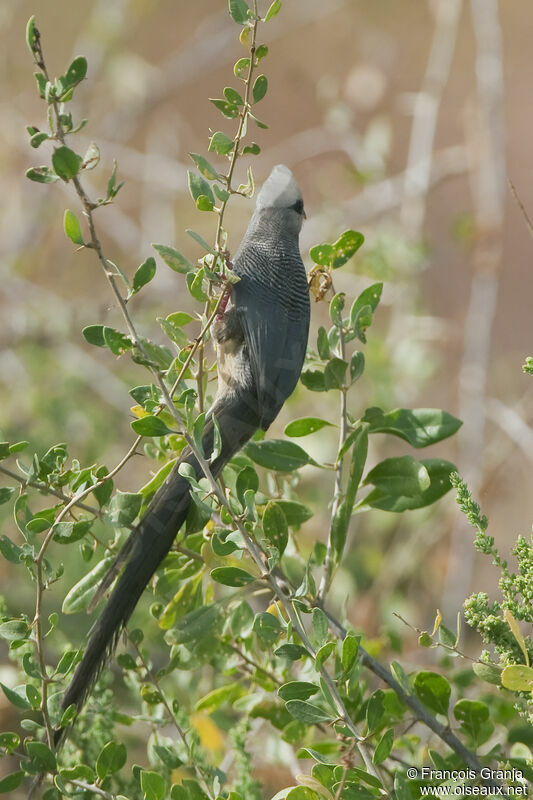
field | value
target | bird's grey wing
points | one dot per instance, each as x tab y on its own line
276	347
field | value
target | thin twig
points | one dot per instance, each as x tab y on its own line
521	207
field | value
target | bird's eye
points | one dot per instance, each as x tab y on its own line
298	206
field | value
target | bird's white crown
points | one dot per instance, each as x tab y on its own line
280	189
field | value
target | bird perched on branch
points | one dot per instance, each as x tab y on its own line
261	342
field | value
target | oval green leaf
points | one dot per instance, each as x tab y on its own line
72	227
232	576
305	426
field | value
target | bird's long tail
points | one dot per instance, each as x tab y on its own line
152	538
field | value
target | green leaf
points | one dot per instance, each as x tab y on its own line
195	285
474	718
301	792
488	673
72	227
202	242
291	651
345	247
69	532
267	627
239	11
173	258
41	753
324	653
111	759
350	648
81	772
12	781
232	576
259	88
273	10
38	138
399	477
204	166
223	196
117	342
203	203
277	454
247	479
17	697
322	254
307	712
143	275
375	710
384	747
76	72
31	41
41	83
342	516
313	379
180	318
199	187
233	96
385	498
150	426
336	254
357	366
258	122
295	513
66	162
80	596
319	628
401	787
196	626
14	629
229	110
226	694
112	187
221	144
66	661
253	149
275	526
9	741
517	678
335	373
261	52
241	68
94	334
420	427
335	309
433	690
6	493
297	690
41	175
305	426
153	785
471	712
124	507
368	297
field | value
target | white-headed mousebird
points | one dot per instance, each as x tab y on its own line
261	342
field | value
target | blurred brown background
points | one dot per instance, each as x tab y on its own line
401	119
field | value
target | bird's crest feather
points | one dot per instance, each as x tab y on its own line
280	190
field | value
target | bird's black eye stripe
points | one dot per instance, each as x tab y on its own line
298	206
